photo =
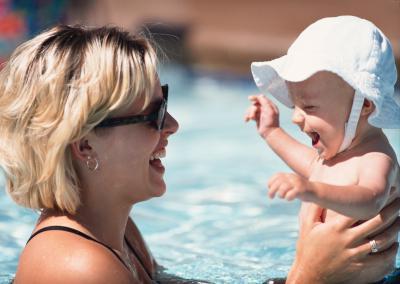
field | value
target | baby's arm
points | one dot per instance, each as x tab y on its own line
361	201
266	115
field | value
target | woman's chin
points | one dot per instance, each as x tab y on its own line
159	189
160	193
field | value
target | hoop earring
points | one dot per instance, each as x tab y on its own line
92	164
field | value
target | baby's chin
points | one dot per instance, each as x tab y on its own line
324	155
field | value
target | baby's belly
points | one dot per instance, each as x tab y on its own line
329	215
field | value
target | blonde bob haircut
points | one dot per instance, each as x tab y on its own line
54	90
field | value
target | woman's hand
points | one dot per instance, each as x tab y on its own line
339	252
265	113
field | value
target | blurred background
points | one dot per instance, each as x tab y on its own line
218	35
215	221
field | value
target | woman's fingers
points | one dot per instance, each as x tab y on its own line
383	241
386	217
344	222
388	237
344	253
377	265
312	217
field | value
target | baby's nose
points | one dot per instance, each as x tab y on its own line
297	116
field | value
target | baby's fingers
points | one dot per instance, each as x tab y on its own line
276	178
267	104
272	190
274	185
263	100
254	99
284	189
251	113
291	195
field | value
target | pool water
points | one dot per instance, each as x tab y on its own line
215	222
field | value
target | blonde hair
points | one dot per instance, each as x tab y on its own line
55	89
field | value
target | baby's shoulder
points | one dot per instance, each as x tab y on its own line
379	157
376	152
378	163
62	257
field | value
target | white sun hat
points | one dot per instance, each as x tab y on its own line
352	48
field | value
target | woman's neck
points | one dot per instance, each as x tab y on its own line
104	220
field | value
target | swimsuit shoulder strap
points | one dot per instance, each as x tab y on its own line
76	232
138	258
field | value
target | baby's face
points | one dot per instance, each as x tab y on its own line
322	107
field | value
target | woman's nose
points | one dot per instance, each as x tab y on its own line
297	117
170	125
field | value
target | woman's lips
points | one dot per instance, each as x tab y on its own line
157	165
155	161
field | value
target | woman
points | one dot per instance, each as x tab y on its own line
83	125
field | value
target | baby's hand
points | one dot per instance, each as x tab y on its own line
265	113
288	186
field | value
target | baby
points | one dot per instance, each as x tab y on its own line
338	77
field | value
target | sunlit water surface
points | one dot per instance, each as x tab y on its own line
215	222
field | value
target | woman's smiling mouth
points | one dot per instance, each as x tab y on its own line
155	161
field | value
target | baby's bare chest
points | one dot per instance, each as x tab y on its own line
345	173
338	174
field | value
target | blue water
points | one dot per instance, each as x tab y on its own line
215	222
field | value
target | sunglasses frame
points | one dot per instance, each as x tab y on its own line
158	115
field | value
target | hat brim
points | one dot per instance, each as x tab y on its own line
387	115
270	76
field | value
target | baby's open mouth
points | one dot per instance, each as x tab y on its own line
314	138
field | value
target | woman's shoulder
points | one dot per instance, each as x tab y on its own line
62	257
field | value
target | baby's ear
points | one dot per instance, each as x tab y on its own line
368	107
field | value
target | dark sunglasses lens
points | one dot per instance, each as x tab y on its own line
164	89
161	115
163	108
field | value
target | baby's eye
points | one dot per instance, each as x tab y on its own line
310	108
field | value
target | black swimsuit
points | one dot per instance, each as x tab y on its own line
79	233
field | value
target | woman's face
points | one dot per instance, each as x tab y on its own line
129	155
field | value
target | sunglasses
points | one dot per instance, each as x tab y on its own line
157	116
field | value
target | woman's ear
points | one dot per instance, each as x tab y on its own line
368	107
81	150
